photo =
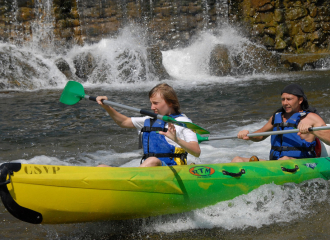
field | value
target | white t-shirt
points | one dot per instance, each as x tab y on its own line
181	132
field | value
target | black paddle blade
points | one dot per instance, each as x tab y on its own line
72	93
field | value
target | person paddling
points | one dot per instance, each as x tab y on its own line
164	144
294	113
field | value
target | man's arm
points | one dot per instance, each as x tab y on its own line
314	120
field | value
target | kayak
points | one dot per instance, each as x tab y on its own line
52	194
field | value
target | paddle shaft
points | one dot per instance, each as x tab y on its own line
74	92
266	133
110	103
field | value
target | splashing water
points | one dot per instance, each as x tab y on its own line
193	62
24	70
125	60
268	204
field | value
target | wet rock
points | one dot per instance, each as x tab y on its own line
220	64
155	58
271	31
258	29
296	13
279	15
25	3
325	26
308	25
299	40
64	67
313	11
316	37
255	59
266	17
281	30
268	41
280	44
25	14
259	3
294	28
128	70
84	64
324	11
266	8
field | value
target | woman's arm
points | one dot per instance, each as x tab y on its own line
122	120
191	147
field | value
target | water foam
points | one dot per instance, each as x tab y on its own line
121	62
25	70
191	64
266	205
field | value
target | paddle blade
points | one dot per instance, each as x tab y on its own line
192	126
201	139
72	93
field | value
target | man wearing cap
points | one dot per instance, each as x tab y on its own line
295	113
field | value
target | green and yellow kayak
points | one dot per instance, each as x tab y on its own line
67	194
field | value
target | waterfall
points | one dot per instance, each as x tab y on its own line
17	34
43	27
222	10
206	17
120	41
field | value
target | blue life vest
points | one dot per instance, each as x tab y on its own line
290	145
155	144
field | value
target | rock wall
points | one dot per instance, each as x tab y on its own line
287	26
47	22
167	23
280	25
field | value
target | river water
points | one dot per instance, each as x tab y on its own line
36	128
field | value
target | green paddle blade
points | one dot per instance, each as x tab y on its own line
72	93
201	139
192	126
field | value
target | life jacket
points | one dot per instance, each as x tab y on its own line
155	144
290	145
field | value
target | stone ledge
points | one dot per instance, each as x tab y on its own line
297	62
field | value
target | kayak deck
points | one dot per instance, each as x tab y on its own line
66	194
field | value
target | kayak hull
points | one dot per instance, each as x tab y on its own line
66	194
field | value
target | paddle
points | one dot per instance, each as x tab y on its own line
202	139
74	92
